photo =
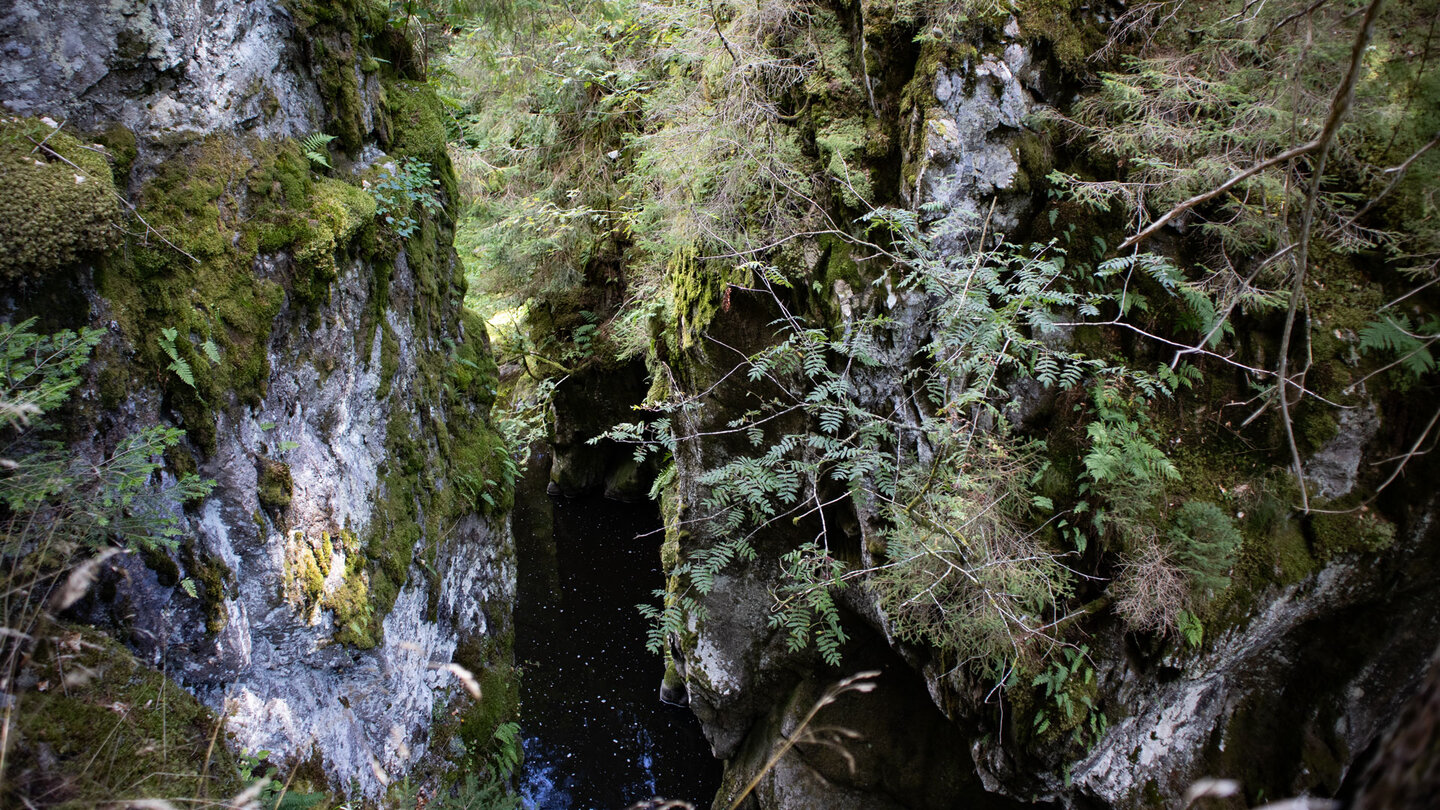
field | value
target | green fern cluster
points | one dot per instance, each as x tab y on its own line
179	364
1396	335
88	504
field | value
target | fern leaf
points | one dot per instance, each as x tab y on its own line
317	148
1395	335
183	371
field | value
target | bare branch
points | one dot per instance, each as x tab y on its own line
1338	107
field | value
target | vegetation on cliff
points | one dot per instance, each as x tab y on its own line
172	274
1228	213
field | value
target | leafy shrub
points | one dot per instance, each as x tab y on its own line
400	190
963	574
78	502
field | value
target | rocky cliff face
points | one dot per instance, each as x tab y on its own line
1323	636
355	542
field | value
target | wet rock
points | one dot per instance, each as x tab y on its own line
1335	468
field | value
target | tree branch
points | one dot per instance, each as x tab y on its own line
1338	107
1217	191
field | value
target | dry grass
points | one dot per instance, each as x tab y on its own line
1151	589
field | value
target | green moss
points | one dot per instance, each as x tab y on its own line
1035	161
120	145
58	202
839	263
389	359
354	613
1315	426
1066	25
1275	549
698	293
109	730
333	31
842	144
275	485
223	201
419	130
167	571
499	703
337	212
213	579
1357	531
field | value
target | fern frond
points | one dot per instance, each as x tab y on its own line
1396	335
317	148
183	371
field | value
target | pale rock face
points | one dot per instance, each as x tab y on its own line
284	686
1335	467
1166	740
167	68
966	154
157	66
273	670
728	659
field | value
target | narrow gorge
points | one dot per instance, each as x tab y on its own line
1019	404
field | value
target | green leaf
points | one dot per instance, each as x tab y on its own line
183	371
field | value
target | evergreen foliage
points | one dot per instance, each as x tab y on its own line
634	166
78	504
1205	541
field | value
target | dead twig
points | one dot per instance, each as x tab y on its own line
1344	94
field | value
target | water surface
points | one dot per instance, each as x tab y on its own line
596	735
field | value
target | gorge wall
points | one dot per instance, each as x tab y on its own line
356	542
1298	675
810	385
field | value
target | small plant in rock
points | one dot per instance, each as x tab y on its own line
180	365
400	190
1069	697
317	149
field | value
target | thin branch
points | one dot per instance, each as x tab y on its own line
1338	107
1311	9
1240	177
1414	448
1399	172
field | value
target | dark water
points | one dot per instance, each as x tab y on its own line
596	735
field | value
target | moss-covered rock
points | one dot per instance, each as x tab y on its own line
212	212
95	726
58	200
1352	531
276	487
